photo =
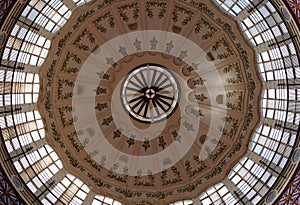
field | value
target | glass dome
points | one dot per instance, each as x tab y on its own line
69	85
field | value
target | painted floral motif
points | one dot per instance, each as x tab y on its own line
161	5
72	137
227	28
165	179
127	193
219	150
99	22
138	44
50	73
200	97
243	54
144	183
85	34
62	112
161	142
190	187
196	112
62	42
188	14
169	46
249	117
146	144
70	57
105	3
55	134
159	195
98	182
192	172
202	7
188	126
93	163
122	50
236	147
232	123
117	133
177	137
217	170
192	67
131	141
183	54
124	9
48	104
198	81
236	69
101	106
103	75
223	44
83	17
251	86
107	121
210	29
122	179
238	95
67	84
74	162
101	90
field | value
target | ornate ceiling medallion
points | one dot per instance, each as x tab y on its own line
150	93
155	103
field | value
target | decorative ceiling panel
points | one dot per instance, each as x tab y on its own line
295	7
152	105
292	193
7	193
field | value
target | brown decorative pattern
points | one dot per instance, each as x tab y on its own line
185	176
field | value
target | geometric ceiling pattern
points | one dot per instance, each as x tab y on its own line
290	196
292	193
7	194
295	6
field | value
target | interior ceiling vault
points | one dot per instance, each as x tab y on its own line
149	102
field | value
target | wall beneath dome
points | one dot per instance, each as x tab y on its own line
295	7
8	196
5	6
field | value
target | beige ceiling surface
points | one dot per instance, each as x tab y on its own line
172	159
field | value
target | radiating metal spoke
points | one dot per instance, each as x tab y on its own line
134	95
144	79
153	77
162	82
163	101
141	107
148	76
135	99
158	79
163	96
139	81
146	109
160	105
155	107
166	86
134	89
136	104
146	96
136	85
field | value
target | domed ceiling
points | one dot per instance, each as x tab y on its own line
150	101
